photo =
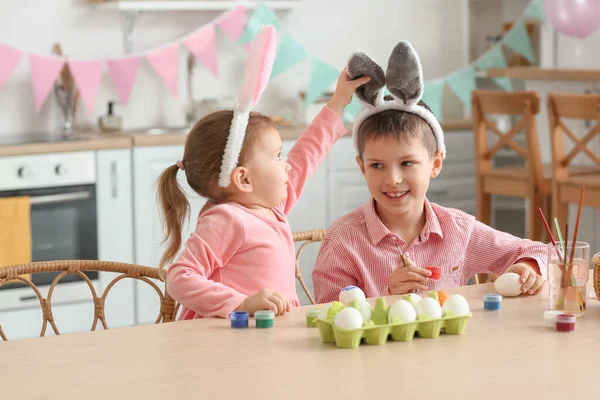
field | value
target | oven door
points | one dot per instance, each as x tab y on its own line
63	227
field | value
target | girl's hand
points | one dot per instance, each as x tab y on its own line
265	300
531	282
344	90
408	279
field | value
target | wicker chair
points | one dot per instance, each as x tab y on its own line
307	237
168	306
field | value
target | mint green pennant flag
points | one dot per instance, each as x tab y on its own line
504	83
518	40
322	76
262	15
289	53
535	10
352	110
432	96
493	58
462	83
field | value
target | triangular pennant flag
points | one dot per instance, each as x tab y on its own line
87	75
535	10
432	96
289	53
352	110
462	83
263	15
9	58
44	71
517	40
123	72
203	45
234	22
504	83
493	58
322	76
165	62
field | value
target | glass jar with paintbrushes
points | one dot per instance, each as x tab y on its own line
568	267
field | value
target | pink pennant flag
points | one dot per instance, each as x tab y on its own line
123	72
165	62
203	45
234	22
9	58
87	75
44	70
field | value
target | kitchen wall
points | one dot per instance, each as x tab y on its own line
330	30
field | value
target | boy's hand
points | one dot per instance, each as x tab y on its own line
408	279
531	282
344	90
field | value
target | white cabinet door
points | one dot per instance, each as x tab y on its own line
148	164
309	213
115	231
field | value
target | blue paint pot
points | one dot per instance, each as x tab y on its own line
491	301
239	319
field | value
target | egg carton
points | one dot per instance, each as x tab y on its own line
400	332
377	332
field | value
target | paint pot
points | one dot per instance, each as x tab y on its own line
312	317
550	318
491	301
239	319
436	273
565	322
264	318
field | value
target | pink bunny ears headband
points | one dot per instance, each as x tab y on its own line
403	79
258	70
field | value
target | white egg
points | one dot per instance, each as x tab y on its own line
348	318
366	310
457	304
350	293
430	307
403	310
415	298
324	311
508	284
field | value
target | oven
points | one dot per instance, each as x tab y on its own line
62	193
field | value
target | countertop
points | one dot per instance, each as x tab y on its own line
546	74
144	138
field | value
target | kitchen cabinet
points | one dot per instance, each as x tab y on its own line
148	164
115	230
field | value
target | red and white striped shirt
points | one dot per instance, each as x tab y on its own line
360	250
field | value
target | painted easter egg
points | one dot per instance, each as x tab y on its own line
508	284
457	305
348	318
429	307
350	293
403	310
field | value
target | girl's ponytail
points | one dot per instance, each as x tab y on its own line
175	208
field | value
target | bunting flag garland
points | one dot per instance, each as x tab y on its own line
241	27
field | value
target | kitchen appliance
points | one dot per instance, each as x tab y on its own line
62	191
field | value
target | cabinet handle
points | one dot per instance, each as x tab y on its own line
113	173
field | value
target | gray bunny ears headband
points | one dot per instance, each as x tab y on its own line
404	81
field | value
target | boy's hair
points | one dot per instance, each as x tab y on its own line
202	157
400	125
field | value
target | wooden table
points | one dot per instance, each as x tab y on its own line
506	354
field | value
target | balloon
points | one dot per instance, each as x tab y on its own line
578	18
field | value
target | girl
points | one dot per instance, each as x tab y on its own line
241	256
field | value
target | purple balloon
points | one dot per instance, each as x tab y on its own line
578	18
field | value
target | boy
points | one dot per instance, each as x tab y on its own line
383	246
